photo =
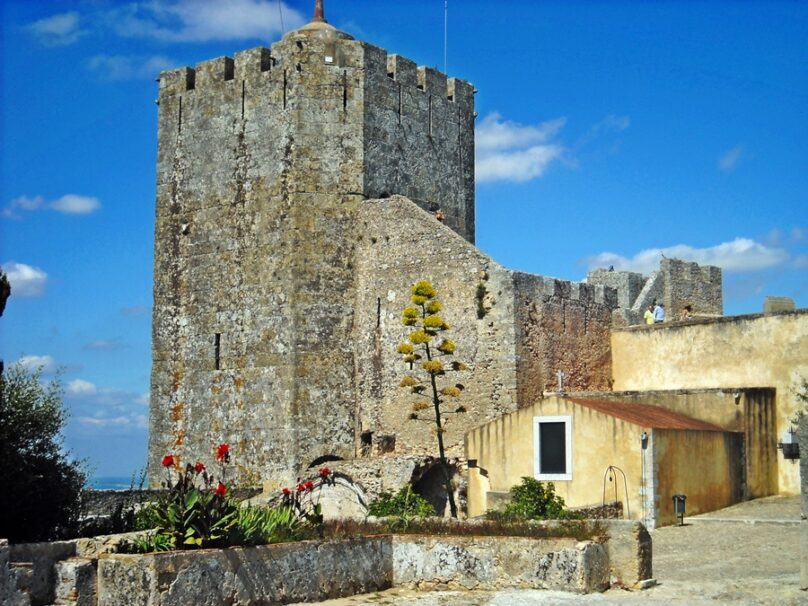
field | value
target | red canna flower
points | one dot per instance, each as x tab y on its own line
324	471
199	467
221	490
168	461
300	488
286	492
309	485
222	451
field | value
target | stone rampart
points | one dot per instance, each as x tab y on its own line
513	330
263	163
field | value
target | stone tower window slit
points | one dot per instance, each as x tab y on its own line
430	115
284	89
243	94
179	116
344	90
399	103
378	312
217	343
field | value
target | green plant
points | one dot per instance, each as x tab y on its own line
261	525
41	485
192	512
149	542
406	503
420	353
532	500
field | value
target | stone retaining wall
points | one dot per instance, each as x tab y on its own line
89	571
314	571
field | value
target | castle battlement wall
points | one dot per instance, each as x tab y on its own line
264	163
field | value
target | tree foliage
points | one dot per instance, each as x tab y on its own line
427	356
41	486
5	291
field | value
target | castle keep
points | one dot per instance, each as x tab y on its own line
297	202
263	166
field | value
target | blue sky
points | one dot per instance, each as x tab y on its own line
607	131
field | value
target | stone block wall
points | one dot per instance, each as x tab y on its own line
263	163
691	284
677	284
513	330
561	326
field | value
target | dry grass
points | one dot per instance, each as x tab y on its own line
577	529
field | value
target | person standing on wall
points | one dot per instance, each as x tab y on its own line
659	313
648	316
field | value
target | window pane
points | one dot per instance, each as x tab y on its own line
552	448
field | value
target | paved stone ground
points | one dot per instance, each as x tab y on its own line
745	554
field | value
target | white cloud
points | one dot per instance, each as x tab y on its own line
79	387
121	67
205	20
106	344
31	363
797	234
143	399
739	255
612	122
26	280
69	204
72	204
509	151
137	421
135	310
729	160
58	30
22	203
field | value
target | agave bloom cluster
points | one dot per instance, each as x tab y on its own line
425	351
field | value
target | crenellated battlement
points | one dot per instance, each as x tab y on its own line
286	54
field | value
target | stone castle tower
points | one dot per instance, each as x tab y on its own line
296	205
264	166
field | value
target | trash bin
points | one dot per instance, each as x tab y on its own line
679	507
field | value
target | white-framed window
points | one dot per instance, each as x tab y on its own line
552	448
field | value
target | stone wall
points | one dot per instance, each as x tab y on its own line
802	438
739	351
315	571
425	562
677	284
65	572
513	330
263	163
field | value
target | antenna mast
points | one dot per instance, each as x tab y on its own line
446	37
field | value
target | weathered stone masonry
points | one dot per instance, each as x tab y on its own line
279	280
263	163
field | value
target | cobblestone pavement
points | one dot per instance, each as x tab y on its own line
745	554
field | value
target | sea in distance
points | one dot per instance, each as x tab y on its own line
114	483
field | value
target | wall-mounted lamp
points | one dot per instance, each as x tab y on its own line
644	440
789	445
679	507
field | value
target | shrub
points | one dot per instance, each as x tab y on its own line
406	503
531	500
41	485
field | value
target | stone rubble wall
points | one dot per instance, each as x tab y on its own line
677	284
513	330
802	439
87	572
424	562
263	163
315	571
